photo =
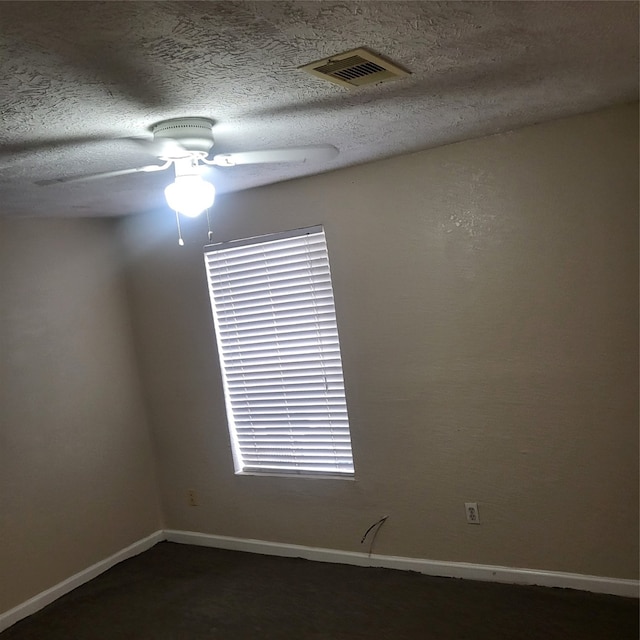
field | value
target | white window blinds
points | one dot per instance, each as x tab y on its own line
275	322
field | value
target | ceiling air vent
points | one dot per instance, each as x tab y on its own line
355	68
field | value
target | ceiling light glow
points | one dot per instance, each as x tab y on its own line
190	195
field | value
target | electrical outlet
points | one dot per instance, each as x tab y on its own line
192	498
473	515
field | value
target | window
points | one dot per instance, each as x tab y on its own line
275	323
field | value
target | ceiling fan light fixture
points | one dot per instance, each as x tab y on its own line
190	195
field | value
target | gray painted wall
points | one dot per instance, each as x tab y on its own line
77	476
487	303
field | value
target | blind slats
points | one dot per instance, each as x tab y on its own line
274	314
247	252
278	297
296	274
299	432
285	319
290	309
283	332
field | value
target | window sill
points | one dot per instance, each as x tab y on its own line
313	476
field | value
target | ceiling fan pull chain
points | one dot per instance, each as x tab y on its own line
210	233
180	240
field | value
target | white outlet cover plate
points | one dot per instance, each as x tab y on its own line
473	515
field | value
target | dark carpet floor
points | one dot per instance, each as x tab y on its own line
183	592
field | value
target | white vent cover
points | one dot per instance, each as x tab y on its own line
355	68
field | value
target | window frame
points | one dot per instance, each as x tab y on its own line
239	450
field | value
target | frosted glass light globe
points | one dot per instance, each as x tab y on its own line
190	195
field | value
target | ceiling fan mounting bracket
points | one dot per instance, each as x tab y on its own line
193	135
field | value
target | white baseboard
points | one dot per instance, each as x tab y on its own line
468	571
46	597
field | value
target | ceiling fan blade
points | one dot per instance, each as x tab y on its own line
309	153
104	174
158	148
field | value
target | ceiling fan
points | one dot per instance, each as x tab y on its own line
185	144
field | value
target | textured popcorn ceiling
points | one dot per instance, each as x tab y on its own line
76	76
